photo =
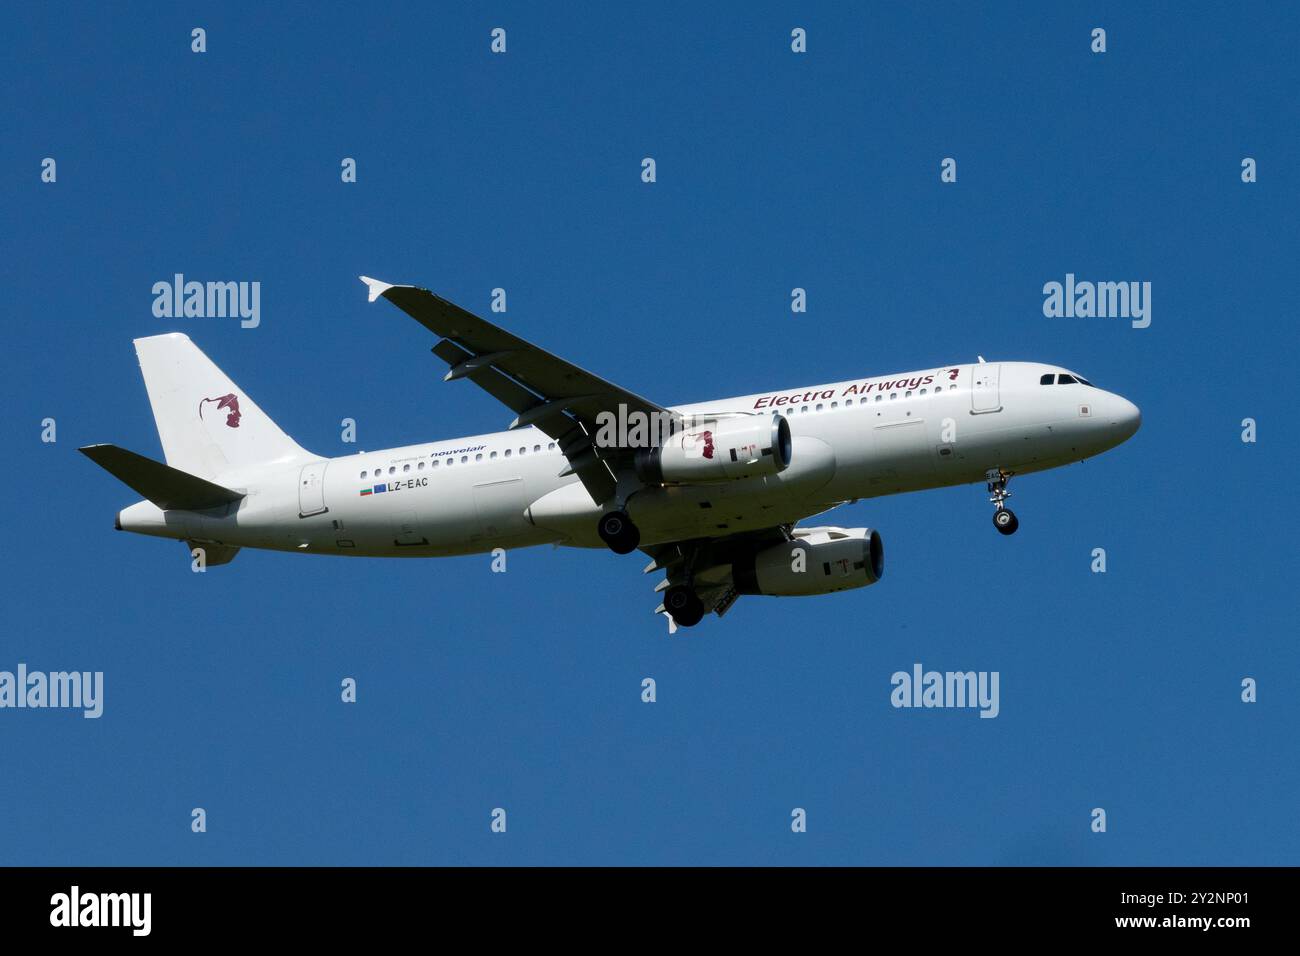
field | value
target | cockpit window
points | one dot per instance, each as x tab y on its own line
1064	379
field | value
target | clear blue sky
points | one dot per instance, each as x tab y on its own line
522	690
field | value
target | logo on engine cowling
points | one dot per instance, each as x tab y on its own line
698	444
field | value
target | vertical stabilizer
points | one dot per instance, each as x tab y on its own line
206	423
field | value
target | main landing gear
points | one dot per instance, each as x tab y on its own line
617	530
684	605
621	535
1004	519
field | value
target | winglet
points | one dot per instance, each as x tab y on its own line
376	287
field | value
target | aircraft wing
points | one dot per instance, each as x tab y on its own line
542	389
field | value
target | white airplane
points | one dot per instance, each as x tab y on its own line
712	492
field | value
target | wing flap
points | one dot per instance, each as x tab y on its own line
550	417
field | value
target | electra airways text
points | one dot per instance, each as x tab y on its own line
711	492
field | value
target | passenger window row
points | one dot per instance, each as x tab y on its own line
464	459
866	398
821	406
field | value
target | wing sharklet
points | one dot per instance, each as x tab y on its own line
375	287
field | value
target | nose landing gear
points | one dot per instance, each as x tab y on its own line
1004	519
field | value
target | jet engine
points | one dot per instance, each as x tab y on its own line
817	561
722	449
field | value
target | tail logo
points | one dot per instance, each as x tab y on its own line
225	401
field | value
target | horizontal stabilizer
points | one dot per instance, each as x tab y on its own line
167	487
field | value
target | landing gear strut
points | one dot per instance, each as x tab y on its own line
617	530
684	605
1004	519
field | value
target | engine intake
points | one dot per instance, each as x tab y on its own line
818	561
724	449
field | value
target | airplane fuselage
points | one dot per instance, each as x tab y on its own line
851	440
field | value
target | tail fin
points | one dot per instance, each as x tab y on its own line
206	423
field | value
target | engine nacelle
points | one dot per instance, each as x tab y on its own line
818	561
723	449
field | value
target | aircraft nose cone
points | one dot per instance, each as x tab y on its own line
1126	417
